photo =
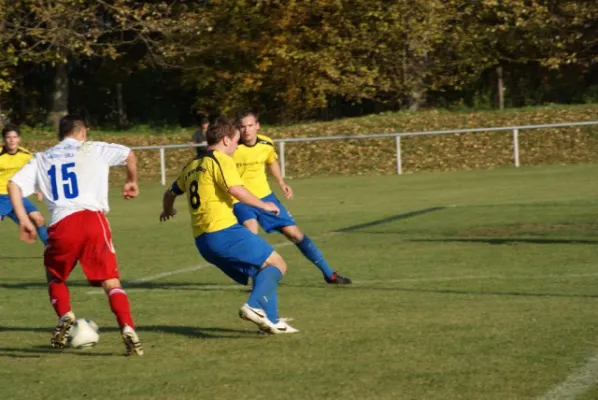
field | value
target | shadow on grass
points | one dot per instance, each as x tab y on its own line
189	331
359	287
21	258
205	286
507	240
38	351
392	218
42	284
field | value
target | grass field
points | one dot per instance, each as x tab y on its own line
467	285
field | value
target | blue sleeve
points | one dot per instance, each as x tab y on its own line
176	189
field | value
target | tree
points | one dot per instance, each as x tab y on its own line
61	31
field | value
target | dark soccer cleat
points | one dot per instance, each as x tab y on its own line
60	334
337	279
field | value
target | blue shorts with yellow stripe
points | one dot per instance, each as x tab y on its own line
6	209
268	221
235	250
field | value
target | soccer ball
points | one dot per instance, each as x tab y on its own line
83	334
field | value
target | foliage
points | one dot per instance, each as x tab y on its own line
377	156
296	60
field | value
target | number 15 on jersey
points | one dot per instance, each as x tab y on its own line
63	179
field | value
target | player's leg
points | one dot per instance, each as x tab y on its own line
265	281
40	224
247	216
309	249
285	224
252	225
98	261
60	259
120	306
36	218
265	295
241	254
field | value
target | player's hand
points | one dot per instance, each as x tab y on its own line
40	196
27	232
130	190
165	216
271	207
288	192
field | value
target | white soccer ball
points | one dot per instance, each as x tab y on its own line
83	334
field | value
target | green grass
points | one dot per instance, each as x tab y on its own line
488	293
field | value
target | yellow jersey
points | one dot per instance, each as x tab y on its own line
10	164
205	182
251	163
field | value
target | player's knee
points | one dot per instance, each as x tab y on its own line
37	219
110	284
276	260
293	233
251	225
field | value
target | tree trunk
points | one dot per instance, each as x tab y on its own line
60	95
500	88
120	106
417	98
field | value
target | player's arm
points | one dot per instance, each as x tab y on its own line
227	177
276	173
20	185
131	188
116	154
170	195
245	196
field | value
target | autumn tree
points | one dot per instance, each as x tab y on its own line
60	31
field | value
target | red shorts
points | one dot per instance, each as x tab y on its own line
85	237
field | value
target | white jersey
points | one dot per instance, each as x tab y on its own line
72	176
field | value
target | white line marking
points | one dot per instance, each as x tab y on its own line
474	277
355	282
577	383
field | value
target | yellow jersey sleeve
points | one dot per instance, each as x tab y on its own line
178	187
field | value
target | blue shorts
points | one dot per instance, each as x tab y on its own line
268	221
235	250
7	211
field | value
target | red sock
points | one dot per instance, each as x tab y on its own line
59	296
119	304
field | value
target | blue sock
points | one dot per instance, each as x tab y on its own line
42	232
313	254
270	305
264	284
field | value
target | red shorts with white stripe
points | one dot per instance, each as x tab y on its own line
85	237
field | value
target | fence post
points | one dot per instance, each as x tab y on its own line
282	161
516	147
399	161
162	166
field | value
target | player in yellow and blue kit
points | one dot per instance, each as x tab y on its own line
254	155
211	183
12	159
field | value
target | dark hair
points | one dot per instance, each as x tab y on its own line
69	124
201	118
247	113
10	128
219	129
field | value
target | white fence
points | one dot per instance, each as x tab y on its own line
397	136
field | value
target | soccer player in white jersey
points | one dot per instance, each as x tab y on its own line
73	178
